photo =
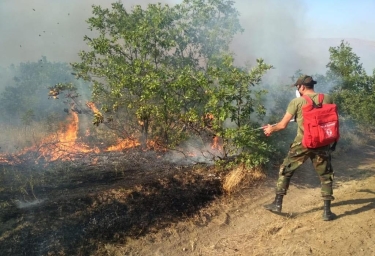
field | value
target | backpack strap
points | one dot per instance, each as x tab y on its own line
308	99
311	102
333	146
321	98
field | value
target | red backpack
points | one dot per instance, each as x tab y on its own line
320	123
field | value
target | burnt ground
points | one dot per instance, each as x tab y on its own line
142	205
70	208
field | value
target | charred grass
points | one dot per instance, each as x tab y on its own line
73	209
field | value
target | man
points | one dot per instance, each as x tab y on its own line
298	154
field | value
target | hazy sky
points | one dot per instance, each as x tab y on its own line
274	29
341	18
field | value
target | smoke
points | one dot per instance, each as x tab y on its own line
34	28
195	151
28	204
271	32
274	30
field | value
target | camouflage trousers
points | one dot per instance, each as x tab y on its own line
297	155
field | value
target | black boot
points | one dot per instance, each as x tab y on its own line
276	205
327	214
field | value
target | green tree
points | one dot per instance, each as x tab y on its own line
236	105
162	70
352	88
345	71
151	64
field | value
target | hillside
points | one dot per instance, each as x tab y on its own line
133	203
242	227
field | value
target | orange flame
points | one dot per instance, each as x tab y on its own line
63	145
216	144
91	105
124	144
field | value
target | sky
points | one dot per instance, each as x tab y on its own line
281	32
341	18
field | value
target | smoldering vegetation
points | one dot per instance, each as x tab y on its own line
72	209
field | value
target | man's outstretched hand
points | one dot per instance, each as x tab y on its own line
267	129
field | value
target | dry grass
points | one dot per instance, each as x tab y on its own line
241	176
15	138
110	250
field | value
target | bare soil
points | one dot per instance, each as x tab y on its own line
146	206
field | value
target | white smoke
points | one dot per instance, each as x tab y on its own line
276	31
33	28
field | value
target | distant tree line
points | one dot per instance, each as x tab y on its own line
25	97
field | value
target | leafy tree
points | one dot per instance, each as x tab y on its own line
345	70
233	102
353	89
163	70
152	63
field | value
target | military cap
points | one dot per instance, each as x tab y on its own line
304	80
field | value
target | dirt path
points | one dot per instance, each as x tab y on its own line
239	225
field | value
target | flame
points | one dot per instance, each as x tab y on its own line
121	144
208	119
64	145
91	105
216	144
156	145
124	144
209	116
70	136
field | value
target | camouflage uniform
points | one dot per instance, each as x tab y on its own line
297	155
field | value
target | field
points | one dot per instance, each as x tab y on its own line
138	203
